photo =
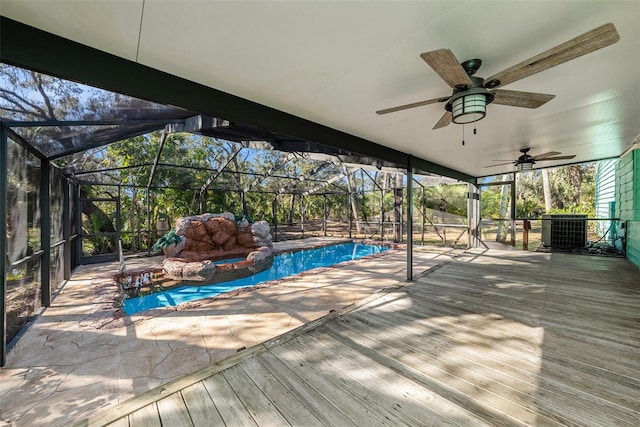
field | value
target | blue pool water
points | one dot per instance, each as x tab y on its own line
285	264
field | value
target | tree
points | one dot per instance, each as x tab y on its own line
30	96
546	188
569	189
505	203
352	188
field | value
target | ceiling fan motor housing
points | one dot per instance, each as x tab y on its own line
525	159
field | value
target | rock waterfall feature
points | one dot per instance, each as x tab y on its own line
202	243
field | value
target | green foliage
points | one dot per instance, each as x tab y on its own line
97	243
216	177
171	238
16	273
95	223
240	217
28	95
572	191
160	215
529	209
490	202
447	198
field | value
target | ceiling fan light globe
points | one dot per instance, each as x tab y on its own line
469	108
524	166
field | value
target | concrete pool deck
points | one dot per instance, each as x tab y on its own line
60	371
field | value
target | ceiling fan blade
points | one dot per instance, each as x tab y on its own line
444	121
407	106
515	98
499	164
555	158
444	62
547	154
588	42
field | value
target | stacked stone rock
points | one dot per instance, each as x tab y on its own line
211	237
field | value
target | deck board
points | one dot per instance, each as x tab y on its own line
282	397
322	408
438	358
446	380
231	408
416	401
517	360
361	413
384	409
122	422
173	411
494	338
147	416
261	409
200	406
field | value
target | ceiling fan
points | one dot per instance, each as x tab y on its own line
471	94
526	162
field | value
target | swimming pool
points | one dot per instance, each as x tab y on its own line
284	264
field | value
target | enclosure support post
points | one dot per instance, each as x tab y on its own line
324	215
149	239
66	229
473	215
118	244
154	166
513	211
218	171
424	214
79	224
350	213
382	214
135	230
397	209
302	214
118	222
402	226
3	243
163	138
274	209
45	232
409	219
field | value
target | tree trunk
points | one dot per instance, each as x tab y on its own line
397	209
291	206
243	201
91	210
501	235
381	205
364	202
351	187
132	218
546	188
245	208
575	172
354	203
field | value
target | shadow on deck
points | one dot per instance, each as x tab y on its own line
490	338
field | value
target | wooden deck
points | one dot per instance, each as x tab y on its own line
492	338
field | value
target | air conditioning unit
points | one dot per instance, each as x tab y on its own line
564	231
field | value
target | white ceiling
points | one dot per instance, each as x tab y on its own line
336	63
